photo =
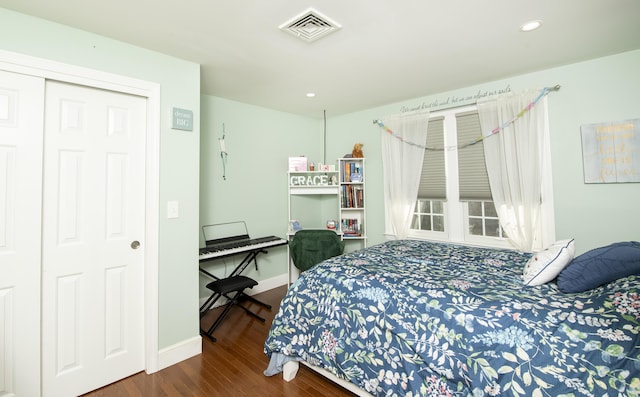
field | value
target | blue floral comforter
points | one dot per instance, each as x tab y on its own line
418	318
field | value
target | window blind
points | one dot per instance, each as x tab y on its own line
433	183
472	170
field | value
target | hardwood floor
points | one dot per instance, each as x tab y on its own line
231	366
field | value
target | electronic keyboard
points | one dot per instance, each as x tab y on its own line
214	251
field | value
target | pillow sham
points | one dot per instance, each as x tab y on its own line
600	266
545	265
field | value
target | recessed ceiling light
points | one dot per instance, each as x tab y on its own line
311	94
531	25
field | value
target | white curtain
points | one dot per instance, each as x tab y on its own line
403	146
518	159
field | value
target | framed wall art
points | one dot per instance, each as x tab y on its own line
611	151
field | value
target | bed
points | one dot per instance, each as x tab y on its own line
418	318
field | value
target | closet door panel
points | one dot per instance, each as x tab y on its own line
93	226
21	132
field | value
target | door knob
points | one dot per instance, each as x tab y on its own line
135	244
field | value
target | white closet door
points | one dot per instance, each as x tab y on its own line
93	225
21	118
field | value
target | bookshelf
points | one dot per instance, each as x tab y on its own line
352	200
320	190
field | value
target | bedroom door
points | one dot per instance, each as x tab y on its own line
21	118
93	231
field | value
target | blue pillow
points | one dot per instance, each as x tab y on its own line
600	266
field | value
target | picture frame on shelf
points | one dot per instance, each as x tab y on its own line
298	163
294	226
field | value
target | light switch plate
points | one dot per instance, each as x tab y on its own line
173	209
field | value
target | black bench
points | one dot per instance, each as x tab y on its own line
231	288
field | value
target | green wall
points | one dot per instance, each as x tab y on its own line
260	140
179	151
600	90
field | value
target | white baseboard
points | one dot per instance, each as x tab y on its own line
268	284
179	352
192	347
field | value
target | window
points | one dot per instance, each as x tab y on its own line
483	219
429	215
429	212
454	199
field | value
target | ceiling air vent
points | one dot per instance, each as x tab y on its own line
310	25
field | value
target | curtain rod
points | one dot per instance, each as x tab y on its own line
548	89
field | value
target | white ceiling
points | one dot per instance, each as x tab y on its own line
386	51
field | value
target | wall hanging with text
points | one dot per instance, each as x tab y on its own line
611	151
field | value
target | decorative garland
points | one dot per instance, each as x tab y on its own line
496	130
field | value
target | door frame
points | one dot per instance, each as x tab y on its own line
52	70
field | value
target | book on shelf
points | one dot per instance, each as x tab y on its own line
351	227
347	172
352	172
351	196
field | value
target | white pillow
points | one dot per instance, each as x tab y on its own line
544	266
